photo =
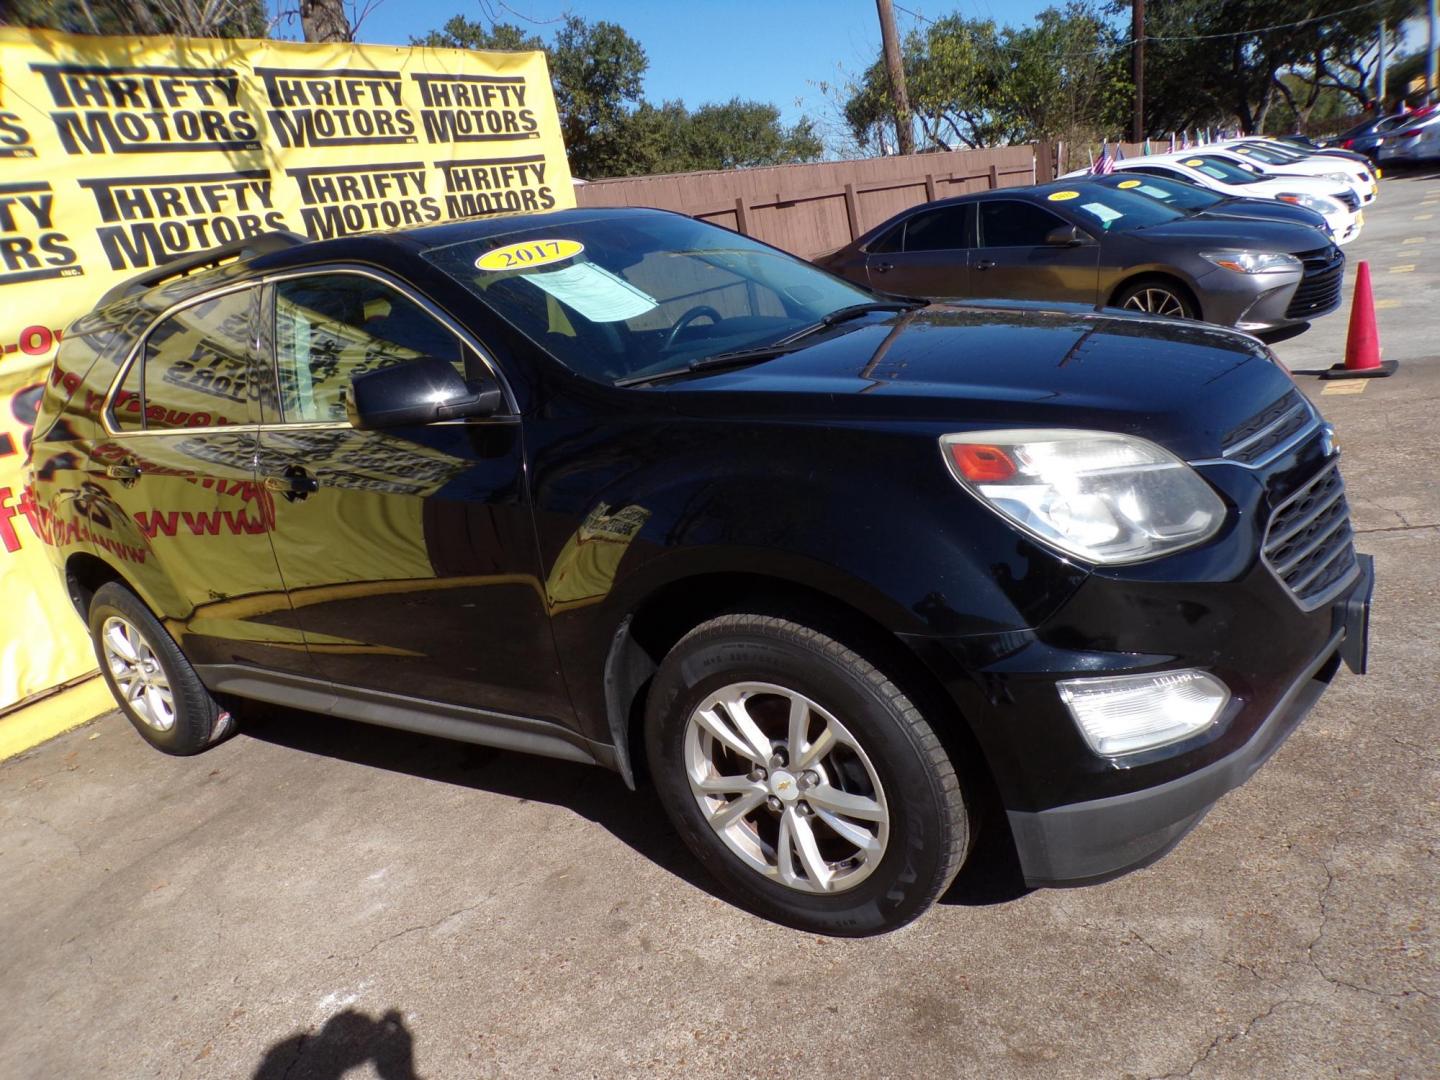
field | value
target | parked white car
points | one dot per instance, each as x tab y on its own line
1259	160
1335	202
1275	152
1413	142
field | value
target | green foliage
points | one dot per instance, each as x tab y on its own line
200	18
610	130
973	83
1213	61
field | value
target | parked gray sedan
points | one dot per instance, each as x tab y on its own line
1082	242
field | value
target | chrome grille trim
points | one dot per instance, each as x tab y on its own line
1323	563
1246	437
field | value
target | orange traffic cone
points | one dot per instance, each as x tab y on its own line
1362	343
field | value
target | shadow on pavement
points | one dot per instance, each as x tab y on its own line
348	1040
636	818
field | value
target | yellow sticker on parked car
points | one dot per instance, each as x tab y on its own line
1195	161
1128	184
1063	196
529	254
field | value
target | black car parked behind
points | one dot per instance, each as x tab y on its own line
840	575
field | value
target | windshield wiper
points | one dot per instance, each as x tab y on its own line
854	311
787	344
734	358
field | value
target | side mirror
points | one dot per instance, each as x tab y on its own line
417	392
1064	236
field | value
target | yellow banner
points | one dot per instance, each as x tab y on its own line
117	154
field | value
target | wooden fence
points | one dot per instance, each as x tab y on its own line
809	209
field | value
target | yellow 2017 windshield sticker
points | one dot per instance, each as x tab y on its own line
1063	196
528	254
1128	184
1194	161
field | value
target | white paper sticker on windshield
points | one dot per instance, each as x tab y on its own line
594	292
1101	211
1153	192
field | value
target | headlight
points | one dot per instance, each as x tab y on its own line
1100	496
1130	713
1252	262
1340	177
1321	204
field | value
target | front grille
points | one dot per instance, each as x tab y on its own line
1350	199
1309	542
1270	428
1319	288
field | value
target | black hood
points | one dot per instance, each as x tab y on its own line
980	365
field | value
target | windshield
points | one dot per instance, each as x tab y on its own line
616	297
1173	193
1269	154
1220	169
1113	210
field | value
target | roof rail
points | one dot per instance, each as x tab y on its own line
246	248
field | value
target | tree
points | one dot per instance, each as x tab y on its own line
192	18
609	128
976	85
1213	61
324	20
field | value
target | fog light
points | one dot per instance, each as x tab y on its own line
1126	713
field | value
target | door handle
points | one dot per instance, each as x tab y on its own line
294	484
883	267
126	471
984	264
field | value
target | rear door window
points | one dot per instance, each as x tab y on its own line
197	369
945	229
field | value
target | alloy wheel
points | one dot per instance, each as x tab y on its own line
786	787
138	674
1154	300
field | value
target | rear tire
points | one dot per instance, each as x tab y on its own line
153	683
803	778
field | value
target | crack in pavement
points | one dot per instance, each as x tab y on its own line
1397	528
1333	980
1226	1039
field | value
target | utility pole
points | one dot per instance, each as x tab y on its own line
1137	32
1430	54
899	100
1380	72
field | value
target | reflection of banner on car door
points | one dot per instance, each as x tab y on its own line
118	154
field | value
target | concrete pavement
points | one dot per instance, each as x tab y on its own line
313	895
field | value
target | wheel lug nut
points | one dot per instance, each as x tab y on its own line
758	774
773	803
811	778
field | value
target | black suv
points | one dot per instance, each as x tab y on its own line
835	572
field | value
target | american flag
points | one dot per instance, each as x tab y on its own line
1184	141
1172	144
1106	164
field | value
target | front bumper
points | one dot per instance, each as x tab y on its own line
1250	302
1086	842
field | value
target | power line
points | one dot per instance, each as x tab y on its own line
1205	37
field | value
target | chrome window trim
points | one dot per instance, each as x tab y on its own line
435	312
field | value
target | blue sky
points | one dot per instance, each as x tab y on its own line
708	50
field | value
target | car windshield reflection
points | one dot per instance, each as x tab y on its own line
615	301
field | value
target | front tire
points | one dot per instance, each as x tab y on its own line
155	686
1158	296
803	778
